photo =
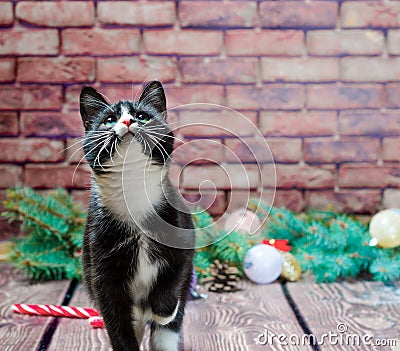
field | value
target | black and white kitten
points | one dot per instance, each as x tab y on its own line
139	237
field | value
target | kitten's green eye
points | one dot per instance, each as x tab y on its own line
143	117
110	121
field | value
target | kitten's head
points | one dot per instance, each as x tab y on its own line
108	127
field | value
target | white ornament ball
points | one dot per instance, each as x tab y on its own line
244	221
263	264
385	228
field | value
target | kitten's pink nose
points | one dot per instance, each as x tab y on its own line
127	122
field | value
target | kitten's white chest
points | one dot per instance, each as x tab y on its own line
145	274
132	188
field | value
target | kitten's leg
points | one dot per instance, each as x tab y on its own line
116	308
166	337
86	265
164	297
140	317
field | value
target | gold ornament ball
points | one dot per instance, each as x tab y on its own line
385	228
291	269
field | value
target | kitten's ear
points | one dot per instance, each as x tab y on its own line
153	94
91	103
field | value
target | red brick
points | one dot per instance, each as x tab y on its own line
175	174
56	13
136	69
363	69
30	97
183	42
369	122
113	92
31	150
74	151
264	42
107	42
191	94
326	150
345	96
217	70
310	123
267	97
393	93
56	70
295	176
7	69
21	41
10	176
349	201
291	199
217	123
198	14
345	42
256	150
238	199
6	13
369	176
391	198
199	151
53	176
249	150
8	123
298	14
81	198
299	69
286	150
54	124
370	14
391	147
178	97
154	13
394	42
221	177
213	202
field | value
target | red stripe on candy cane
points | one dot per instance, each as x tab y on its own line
96	322
57	311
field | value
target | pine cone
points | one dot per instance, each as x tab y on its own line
223	277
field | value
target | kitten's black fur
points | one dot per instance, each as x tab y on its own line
116	252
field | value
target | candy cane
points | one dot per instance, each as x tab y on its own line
61	311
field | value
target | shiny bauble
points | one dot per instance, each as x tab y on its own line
262	264
385	228
291	269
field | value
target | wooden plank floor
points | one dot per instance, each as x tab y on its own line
76	334
350	308
222	322
20	332
233	321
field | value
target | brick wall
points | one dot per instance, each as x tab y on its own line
321	79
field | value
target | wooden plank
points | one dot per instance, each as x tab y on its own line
22	332
227	322
360	307
232	321
77	334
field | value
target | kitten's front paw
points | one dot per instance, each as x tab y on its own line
168	319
